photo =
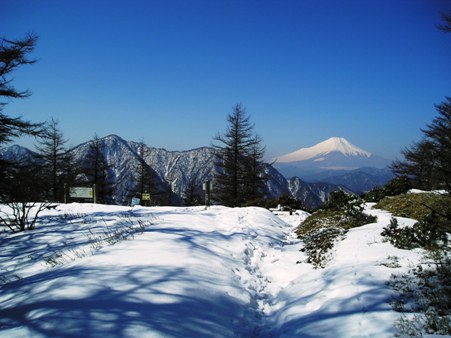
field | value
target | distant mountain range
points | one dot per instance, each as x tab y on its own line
336	161
176	169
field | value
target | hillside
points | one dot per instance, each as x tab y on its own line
176	170
223	272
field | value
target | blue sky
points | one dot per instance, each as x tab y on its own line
169	72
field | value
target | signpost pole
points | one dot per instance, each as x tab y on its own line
94	193
66	193
207	193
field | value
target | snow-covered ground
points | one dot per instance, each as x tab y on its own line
221	272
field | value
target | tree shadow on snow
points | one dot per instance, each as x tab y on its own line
130	301
342	316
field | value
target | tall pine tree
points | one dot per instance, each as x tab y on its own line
58	162
238	160
147	179
96	167
14	54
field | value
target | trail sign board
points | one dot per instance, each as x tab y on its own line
81	192
145	196
135	201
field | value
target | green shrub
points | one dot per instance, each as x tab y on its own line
338	200
402	238
325	226
396	186
318	244
425	234
427	293
375	194
418	206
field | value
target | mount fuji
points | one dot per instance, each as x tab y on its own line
336	161
336	153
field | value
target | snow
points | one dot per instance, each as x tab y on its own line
193	272
333	144
436	192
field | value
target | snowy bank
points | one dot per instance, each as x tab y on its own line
221	272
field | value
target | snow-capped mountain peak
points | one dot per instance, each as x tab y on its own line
333	144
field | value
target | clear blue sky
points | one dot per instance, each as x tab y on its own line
169	71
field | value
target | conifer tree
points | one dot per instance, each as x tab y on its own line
147	178
58	162
13	54
192	194
255	176
96	168
238	160
428	162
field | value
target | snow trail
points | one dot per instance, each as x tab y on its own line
220	272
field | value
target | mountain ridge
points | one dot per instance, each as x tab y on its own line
175	170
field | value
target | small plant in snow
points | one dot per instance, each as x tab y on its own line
423	295
21	216
323	228
108	236
392	262
7	277
425	234
318	244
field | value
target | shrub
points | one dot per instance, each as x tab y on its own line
425	234
318	244
427	293
375	194
21	216
321	229
402	238
338	200
396	186
418	206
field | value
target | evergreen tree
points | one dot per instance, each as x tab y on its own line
147	178
418	165
255	180
439	133
58	161
96	168
238	159
13	54
192	194
23	181
428	162
446	25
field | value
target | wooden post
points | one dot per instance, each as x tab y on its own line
66	193
207	187
94	193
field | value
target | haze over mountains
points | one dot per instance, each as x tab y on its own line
175	170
